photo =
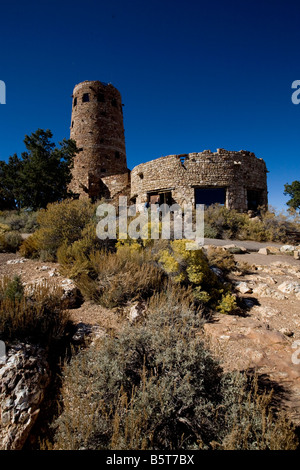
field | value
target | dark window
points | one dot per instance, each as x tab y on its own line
117	154
85	97
114	102
75	101
103	170
208	196
254	198
100	97
72	124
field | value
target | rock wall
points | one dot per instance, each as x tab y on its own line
100	168
238	173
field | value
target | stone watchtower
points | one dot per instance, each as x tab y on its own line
100	167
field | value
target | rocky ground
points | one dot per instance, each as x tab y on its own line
265	337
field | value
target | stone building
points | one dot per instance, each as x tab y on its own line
100	167
235	179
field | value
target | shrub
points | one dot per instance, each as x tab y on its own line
155	386
221	258
228	223
23	221
61	223
191	268
41	319
74	259
10	242
4	228
225	222
30	247
227	304
115	278
12	289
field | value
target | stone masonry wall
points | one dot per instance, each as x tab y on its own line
100	168
238	172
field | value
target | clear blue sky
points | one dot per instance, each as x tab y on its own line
193	74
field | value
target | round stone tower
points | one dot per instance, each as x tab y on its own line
100	168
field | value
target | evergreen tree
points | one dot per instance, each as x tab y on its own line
41	175
293	190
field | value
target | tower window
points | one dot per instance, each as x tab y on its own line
72	124
114	102
85	97
103	170
117	154
100	98
75	101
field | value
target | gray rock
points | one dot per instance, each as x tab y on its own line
289	287
287	248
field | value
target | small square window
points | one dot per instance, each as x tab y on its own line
103	170
100	98
85	97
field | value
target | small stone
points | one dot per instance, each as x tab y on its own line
234	249
264	251
243	288
297	254
136	311
286	332
44	268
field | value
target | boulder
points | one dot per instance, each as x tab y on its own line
24	377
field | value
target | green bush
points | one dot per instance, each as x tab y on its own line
10	242
23	221
61	223
12	289
112	279
221	258
155	386
41	318
74	259
192	268
29	247
230	224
